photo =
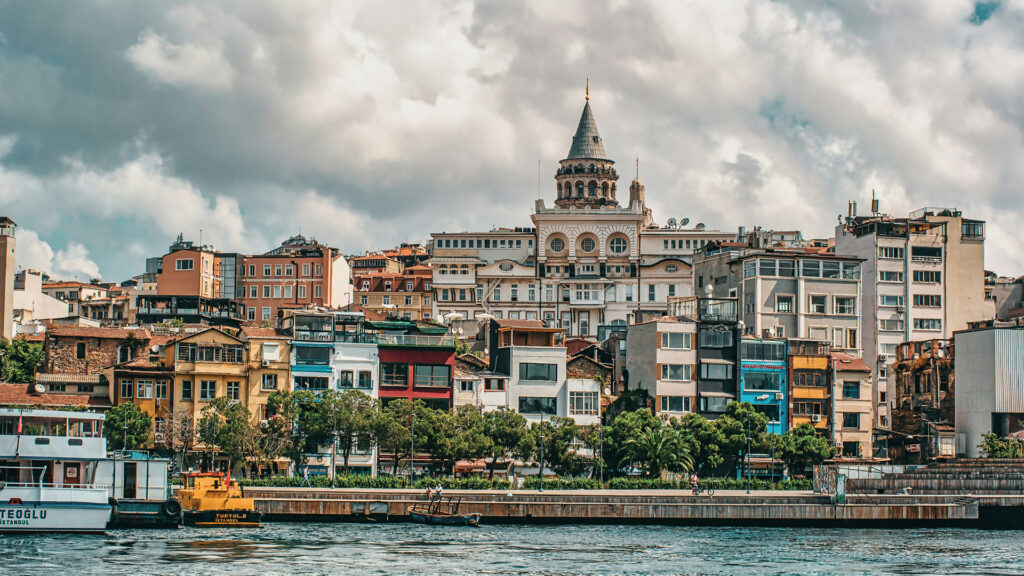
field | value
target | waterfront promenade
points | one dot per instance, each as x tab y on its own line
727	507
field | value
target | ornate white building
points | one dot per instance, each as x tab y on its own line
588	265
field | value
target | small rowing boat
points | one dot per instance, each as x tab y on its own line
443	512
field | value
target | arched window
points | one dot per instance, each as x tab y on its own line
579	188
604	189
592	188
618	245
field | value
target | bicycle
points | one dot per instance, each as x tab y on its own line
700	489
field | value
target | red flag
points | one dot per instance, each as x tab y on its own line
19	423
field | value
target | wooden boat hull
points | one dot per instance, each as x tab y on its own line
222	518
445	519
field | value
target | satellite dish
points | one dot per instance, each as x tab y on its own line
699	226
39	388
671	223
709	290
440	319
460	331
684	222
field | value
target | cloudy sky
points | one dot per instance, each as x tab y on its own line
364	124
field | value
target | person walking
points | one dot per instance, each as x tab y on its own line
305	477
694	482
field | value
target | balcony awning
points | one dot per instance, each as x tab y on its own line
717	361
716	395
312	344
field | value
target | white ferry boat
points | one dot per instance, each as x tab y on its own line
48	471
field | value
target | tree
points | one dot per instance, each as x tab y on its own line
295	412
504	429
180	434
21	360
122	437
133	343
658	448
391	429
996	446
557	436
354	420
739	420
226	424
591	437
802	447
625	426
703	441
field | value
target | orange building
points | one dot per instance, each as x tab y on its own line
298	274
195	284
405	295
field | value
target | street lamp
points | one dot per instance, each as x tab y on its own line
747	454
600	462
334	446
540	471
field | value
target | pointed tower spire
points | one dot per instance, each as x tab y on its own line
587	142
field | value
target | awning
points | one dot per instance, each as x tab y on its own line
716	395
716	361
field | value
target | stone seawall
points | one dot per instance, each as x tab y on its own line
636	507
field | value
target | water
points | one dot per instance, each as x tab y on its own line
393	549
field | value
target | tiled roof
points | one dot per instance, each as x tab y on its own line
848	363
22	395
574	345
587	142
513	323
38	337
90	332
368	314
262	332
163	339
71	284
45	378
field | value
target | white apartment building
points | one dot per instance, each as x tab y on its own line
924	279
587	265
661	358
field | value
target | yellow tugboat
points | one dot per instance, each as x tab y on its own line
209	499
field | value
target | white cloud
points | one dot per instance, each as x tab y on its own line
68	263
184	65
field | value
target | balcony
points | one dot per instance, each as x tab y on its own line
416	340
313	335
355	337
53	447
586	298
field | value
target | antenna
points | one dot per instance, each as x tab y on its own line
538	179
588	89
637	167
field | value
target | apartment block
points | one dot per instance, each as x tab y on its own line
406	295
661	357
924	279
717	345
853	428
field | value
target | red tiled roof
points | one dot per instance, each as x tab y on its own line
846	362
23	395
90	332
162	339
368	313
513	323
574	345
38	337
71	284
261	332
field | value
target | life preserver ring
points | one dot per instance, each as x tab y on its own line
172	507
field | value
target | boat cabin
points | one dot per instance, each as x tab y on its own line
55	447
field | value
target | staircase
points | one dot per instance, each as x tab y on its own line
963	476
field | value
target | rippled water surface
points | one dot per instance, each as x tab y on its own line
365	549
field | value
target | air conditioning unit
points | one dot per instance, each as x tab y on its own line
265	364
778	395
882	357
159	437
901	309
816	418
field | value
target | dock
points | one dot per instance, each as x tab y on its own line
760	508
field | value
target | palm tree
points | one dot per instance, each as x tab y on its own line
657	449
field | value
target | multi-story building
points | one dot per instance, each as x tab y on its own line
268	365
374	263
406	295
149	386
852	389
75	294
661	358
810	385
787	292
922	378
587	264
207	364
533	359
408	254
31	305
416	360
7	245
989	383
312	347
299	273
717	345
195	284
1006	296
112	309
924	279
763	381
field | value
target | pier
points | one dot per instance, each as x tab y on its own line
772	508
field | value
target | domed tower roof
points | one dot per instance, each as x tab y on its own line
587	142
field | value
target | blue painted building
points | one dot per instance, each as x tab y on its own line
764	375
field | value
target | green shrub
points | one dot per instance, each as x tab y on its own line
533	483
